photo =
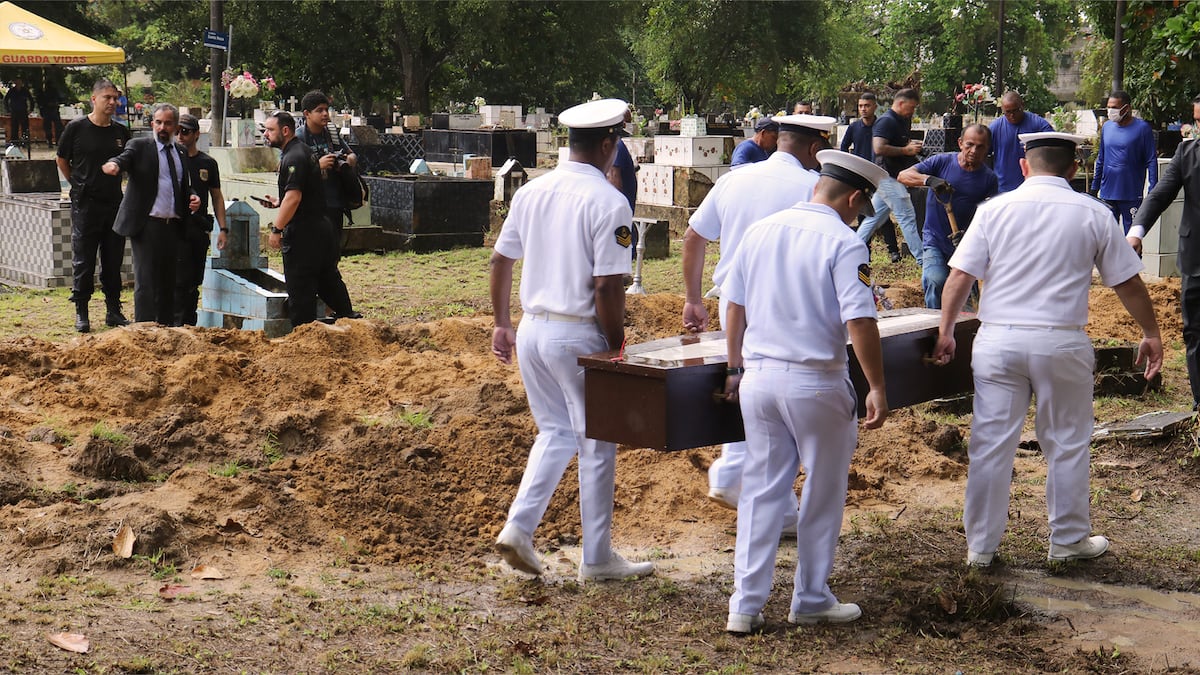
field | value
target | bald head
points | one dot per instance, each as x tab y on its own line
1012	107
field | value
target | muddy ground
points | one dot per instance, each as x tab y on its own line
347	482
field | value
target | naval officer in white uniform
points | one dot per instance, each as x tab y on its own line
571	227
1034	248
738	199
799	283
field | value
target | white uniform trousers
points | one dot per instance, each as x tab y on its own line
725	473
547	353
793	418
1009	364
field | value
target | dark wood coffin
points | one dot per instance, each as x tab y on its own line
666	394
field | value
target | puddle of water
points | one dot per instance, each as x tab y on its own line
1158	627
1169	601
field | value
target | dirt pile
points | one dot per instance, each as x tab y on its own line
363	440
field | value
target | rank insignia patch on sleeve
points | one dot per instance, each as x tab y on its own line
864	274
624	236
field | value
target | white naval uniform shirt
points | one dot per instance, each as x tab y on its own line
1035	248
569	225
741	197
801	274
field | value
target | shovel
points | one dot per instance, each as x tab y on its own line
956	234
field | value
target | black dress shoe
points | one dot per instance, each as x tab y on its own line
82	324
895	255
115	319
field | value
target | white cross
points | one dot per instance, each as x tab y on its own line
292	103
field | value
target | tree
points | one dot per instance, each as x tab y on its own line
546	53
1162	59
954	42
695	49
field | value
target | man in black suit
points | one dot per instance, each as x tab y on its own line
1182	173
157	198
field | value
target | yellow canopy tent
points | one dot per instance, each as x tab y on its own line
27	39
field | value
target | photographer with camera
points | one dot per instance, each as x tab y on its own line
332	153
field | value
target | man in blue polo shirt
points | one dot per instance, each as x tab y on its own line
963	179
766	136
1005	144
1125	157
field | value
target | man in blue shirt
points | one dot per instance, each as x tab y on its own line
962	178
766	136
857	141
623	176
895	152
1007	147
1126	156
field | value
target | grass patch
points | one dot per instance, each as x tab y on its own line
103	432
271	447
231	469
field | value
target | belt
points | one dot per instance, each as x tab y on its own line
767	363
565	318
1019	326
163	221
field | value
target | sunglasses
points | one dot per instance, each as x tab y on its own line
184	132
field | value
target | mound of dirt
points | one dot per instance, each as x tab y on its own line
364	440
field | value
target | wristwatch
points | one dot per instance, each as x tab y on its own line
276	230
224	229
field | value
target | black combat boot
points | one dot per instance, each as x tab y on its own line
113	316
81	317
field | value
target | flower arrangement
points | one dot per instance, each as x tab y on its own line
974	96
244	85
752	116
479	102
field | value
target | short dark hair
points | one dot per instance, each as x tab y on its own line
165	106
1196	101
909	94
285	119
866	96
1053	159
313	99
1121	95
588	140
102	84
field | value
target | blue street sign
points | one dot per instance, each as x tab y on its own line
216	40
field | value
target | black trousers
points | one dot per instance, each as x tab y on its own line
17	124
154	252
1189	273
91	231
337	220
53	128
310	271
191	254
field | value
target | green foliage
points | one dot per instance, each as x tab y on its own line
417	419
102	432
951	42
229	469
193	94
1162	61
271	447
696	52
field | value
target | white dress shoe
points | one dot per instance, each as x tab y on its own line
724	497
838	612
976	559
615	569
744	624
516	548
1084	549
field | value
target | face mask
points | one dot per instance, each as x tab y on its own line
1114	115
